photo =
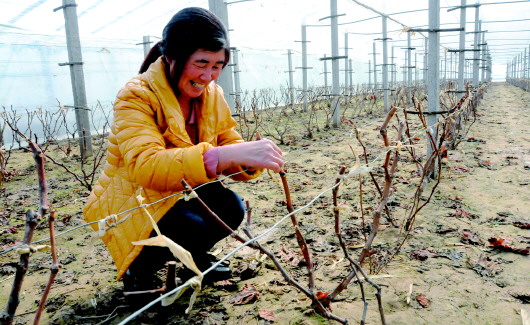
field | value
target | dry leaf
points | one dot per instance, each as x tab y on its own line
422	254
485	266
248	294
501	244
469	237
423	300
267	315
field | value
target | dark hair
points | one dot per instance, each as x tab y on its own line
190	29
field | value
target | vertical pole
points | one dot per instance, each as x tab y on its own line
237	92
393	71
346	76
369	74
415	68
433	82
409	61
462	46
385	66
77	77
350	70
425	61
375	68
219	8
483	55
304	66
291	78
524	64
146	44
335	63
325	73
528	76
445	67
476	48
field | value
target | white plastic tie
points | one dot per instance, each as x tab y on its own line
106	223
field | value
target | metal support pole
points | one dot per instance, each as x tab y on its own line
462	46
325	72
375	68
346	76
335	63
415	69
409	62
393	71
146	44
528	77
304	66
445	68
350	70
433	81
369	74
237	92
219	8
425	61
483	55
475	48
75	61
385	65
291	78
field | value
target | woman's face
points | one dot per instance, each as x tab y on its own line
201	68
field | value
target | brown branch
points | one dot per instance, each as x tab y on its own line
54	269
299	236
372	176
389	174
6	318
317	305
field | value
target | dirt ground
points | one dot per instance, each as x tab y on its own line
447	271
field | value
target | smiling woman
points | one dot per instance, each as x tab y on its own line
172	123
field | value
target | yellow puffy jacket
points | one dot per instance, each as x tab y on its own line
149	153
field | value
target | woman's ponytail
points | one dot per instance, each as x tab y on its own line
152	56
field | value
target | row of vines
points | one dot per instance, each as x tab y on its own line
387	161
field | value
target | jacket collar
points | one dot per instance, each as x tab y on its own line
159	84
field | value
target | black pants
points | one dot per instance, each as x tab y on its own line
189	224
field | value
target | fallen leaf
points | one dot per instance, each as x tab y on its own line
469	237
503	245
246	270
525	224
485	266
292	257
422	254
226	284
248	294
321	295
423	300
267	315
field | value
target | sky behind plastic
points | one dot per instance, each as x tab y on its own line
275	25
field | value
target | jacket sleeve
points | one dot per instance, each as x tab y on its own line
239	173
231	136
143	147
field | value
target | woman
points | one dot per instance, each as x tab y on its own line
171	122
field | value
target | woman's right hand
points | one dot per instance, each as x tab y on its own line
253	154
